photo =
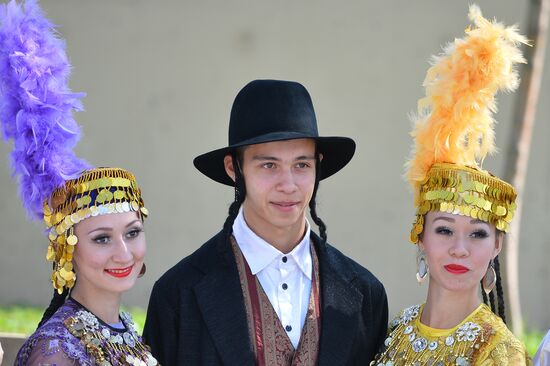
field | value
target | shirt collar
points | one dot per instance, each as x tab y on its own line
259	254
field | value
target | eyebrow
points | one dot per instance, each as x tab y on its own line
267	157
450	219
444	218
111	229
478	221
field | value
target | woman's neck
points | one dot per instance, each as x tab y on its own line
105	306
446	309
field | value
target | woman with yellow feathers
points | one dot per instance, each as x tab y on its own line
463	212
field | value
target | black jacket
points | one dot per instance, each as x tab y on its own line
196	313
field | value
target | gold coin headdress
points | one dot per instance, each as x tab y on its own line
36	107
95	192
454	127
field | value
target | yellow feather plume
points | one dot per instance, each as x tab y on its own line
454	123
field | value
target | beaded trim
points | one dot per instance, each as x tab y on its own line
406	346
109	348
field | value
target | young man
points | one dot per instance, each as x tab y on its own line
266	290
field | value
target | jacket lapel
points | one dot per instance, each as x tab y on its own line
220	300
341	304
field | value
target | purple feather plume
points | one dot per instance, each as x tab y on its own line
36	104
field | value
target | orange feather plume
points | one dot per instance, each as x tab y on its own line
454	123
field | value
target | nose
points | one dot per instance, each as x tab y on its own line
287	183
122	254
459	248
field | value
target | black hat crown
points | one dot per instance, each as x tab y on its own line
270	107
274	110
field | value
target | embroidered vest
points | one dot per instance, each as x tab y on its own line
271	343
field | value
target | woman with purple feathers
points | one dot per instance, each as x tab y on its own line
94	215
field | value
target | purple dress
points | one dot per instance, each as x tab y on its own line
53	344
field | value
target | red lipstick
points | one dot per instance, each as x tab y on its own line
456	268
119	272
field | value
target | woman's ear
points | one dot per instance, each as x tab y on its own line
499	239
229	168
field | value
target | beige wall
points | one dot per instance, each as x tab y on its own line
161	77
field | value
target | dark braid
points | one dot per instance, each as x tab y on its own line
57	300
496	303
240	193
312	203
500	292
492	301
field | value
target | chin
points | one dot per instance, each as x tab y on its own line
464	287
121	285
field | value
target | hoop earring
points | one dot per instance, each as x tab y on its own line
422	268
490	279
142	270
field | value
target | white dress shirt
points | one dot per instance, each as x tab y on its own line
285	278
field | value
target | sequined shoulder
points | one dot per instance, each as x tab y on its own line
481	337
405	316
503	348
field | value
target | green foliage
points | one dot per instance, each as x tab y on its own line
138	315
532	340
24	319
19	319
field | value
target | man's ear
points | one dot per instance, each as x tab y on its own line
229	168
320	157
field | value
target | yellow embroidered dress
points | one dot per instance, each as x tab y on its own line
482	339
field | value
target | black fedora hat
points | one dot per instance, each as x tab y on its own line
274	110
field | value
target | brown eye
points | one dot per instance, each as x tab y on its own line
134	233
101	239
442	230
480	234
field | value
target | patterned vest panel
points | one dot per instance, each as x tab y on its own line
272	346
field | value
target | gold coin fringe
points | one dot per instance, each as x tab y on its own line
110	350
73	203
465	191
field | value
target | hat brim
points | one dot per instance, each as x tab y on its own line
337	152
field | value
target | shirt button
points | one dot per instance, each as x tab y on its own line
284	286
288	328
284	259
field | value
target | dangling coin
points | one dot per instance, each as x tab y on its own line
118	195
72	239
86	200
68	266
50	255
52	235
